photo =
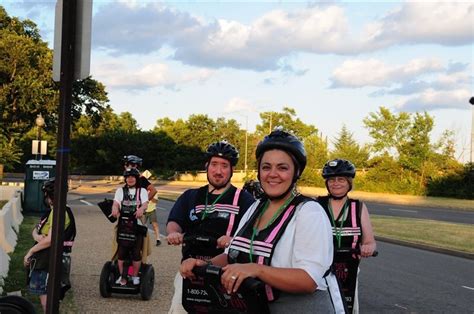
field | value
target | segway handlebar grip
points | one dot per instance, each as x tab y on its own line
206	241
216	272
354	251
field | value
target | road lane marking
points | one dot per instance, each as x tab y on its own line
161	208
403	210
470	288
87	203
401	307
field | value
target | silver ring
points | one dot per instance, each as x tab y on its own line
233	277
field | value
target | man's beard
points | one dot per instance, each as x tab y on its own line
219	183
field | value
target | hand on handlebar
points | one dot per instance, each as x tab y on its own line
223	241
175	238
186	268
367	250
115	212
234	274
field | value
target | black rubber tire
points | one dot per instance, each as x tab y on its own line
16	304
147	281
106	278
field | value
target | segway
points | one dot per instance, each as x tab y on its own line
13	304
110	271
346	269
205	294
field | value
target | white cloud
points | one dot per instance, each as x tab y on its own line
432	99
444	23
374	72
237	104
136	28
116	75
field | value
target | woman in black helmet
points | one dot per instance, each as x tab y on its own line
352	229
284	239
37	258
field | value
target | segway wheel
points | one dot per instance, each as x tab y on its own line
106	279
147	282
16	304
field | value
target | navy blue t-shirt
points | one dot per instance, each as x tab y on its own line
190	208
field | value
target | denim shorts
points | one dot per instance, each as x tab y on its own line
38	282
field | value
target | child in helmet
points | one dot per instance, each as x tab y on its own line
37	258
130	203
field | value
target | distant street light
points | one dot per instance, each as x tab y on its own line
38	144
471	101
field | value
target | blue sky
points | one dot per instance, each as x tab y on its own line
333	62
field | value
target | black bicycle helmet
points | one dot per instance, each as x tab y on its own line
339	168
224	150
132	159
279	139
131	172
48	188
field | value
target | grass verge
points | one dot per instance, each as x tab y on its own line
452	236
16	279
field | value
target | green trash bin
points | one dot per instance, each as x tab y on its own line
36	172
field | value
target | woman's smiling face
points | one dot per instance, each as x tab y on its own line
276	172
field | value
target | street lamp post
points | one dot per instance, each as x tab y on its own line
471	101
246	142
39	125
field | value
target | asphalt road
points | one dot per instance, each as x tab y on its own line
440	214
399	280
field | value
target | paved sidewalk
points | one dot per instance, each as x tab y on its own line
93	248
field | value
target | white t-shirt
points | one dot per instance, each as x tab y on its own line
306	242
131	191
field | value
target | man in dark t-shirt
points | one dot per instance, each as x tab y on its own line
213	210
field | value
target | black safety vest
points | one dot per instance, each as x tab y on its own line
351	229
265	241
127	224
220	219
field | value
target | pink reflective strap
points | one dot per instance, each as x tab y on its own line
232	216
354	223
231	225
268	289
68	243
236	197
269	292
274	232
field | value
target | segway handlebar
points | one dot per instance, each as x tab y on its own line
215	272
199	240
355	251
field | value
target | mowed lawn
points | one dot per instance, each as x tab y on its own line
446	235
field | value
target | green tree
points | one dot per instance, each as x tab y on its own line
288	120
9	152
416	149
317	155
389	131
346	147
27	88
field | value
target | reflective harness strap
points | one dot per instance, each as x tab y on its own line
269	239
230	226
354	223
